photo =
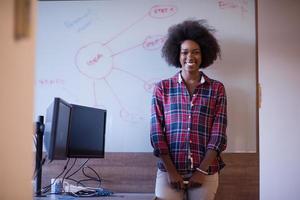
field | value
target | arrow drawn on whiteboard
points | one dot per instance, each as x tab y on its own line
128	49
125	29
113	92
151	42
157	11
124	113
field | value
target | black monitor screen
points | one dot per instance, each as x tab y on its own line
87	132
57	129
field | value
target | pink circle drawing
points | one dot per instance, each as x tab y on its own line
162	11
154	42
94	60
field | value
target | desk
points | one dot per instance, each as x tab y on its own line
117	196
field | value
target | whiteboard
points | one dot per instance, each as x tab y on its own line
107	54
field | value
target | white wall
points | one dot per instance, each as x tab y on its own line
279	71
16	107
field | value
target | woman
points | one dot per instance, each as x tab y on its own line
188	116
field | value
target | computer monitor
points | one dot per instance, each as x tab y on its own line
57	129
74	131
87	132
71	131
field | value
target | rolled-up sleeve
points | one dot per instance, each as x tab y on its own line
218	137
157	135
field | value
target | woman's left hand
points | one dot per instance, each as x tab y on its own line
196	180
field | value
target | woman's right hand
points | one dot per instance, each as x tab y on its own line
176	180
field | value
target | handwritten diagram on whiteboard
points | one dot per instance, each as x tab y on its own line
107	54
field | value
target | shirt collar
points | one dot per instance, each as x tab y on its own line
179	77
202	80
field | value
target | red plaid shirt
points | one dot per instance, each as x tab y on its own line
181	124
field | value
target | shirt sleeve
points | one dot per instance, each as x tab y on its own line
157	126
218	138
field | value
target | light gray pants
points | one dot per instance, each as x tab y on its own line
207	191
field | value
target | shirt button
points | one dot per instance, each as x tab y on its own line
189	129
191	141
189	116
192	105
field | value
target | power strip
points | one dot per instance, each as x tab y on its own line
73	188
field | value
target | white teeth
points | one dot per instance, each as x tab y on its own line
189	64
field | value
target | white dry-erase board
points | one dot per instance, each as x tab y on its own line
107	54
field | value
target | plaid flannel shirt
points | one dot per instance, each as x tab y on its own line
181	123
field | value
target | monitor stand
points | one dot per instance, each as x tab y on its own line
39	133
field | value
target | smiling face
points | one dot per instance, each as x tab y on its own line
190	56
